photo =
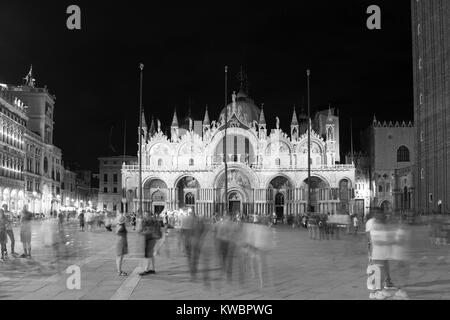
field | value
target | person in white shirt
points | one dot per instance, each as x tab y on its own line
380	242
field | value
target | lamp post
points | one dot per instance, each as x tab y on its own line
308	203
225	143
141	67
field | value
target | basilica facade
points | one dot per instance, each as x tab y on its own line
267	170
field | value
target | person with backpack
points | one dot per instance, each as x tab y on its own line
151	231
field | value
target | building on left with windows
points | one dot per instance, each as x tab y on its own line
13	121
32	167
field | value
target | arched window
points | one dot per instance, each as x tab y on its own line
160	162
403	154
277	161
330	134
191	162
189	199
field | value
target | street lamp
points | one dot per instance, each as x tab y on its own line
141	67
225	142
308	73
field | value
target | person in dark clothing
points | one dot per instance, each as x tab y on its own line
133	220
121	244
9	227
151	230
3	236
81	218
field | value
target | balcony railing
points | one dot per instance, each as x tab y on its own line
256	166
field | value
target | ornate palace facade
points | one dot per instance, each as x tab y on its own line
267	172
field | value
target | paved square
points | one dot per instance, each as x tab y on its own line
297	268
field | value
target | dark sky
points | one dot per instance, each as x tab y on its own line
95	77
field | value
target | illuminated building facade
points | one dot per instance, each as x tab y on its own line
110	194
391	151
267	170
13	121
41	166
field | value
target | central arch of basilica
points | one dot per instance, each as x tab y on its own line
267	171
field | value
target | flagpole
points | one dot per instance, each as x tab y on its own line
141	67
308	203
225	143
351	138
124	140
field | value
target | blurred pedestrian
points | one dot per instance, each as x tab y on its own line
81	218
225	240
25	231
380	251
121	244
304	222
133	220
160	242
3	235
151	231
186	230
60	219
312	227
274	218
197	236
355	224
9	218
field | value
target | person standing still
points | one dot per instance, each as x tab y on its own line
121	243
9	227
151	230
25	231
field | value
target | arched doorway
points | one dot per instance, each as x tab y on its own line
189	200
239	183
386	206
279	186
186	189
158	202
154	195
234	203
315	184
279	205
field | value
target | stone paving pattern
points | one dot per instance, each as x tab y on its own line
297	268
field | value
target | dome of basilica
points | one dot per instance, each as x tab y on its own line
245	109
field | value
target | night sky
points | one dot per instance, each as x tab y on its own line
95	76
